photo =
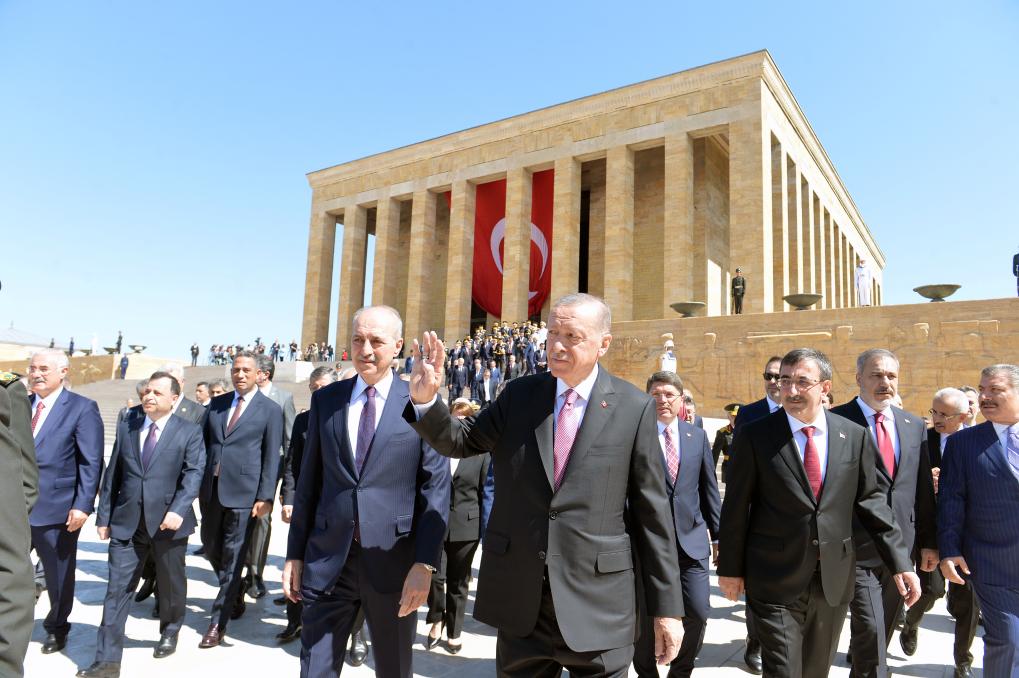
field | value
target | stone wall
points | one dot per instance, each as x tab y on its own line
721	358
86	369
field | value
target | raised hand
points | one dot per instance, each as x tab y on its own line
426	375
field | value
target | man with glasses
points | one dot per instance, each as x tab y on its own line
769	404
904	477
797	478
948	412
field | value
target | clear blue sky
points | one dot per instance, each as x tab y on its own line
152	155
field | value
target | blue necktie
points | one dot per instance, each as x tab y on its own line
1012	448
365	429
150	446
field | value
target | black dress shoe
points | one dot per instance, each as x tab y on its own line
258	586
963	671
752	657
292	632
907	639
238	610
358	649
100	670
212	638
453	649
53	643
167	646
148	586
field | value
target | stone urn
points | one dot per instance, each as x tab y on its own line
138	348
110	350
688	309
936	292
802	301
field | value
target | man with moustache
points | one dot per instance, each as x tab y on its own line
904	477
19	490
68	434
796	480
948	412
145	508
574	451
693	493
369	513
977	503
769	404
243	433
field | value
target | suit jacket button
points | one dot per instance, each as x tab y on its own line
553	515
541	555
813	542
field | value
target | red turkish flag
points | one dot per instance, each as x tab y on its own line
489	235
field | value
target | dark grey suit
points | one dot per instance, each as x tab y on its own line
133	502
557	575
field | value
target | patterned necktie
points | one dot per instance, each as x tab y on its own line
671	456
1012	448
365	429
884	444
811	462
38	411
566	426
149	447
236	415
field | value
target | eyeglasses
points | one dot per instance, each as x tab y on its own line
941	415
667	397
771	376
801	384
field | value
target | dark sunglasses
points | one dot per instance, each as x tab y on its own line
770	376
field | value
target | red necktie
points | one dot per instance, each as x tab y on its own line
38	411
811	462
236	415
671	456
884	444
566	426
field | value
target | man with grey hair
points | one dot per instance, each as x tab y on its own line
797	479
949	410
573	448
978	502
904	478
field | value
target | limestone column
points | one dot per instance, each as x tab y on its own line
516	247
420	272
750	237
387	236
355	247
795	230
819	230
829	238
619	232
566	228
843	282
460	273
810	223
780	224
318	284
679	267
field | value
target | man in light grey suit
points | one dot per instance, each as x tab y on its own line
258	550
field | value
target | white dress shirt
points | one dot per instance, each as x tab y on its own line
583	390
674	432
244	407
820	436
773	407
47	403
358	399
160	427
1001	430
889	424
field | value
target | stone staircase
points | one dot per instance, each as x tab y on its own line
112	395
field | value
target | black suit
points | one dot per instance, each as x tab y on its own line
247	461
557	575
447	599
459	379
695	513
133	502
877	603
796	554
291	473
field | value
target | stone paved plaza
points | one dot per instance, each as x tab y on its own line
252	646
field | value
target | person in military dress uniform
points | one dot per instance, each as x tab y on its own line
739	287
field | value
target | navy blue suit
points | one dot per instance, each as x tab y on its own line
696	507
978	500
69	450
359	534
133	503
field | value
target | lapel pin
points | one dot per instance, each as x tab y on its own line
842	435
906	420
688	435
604	404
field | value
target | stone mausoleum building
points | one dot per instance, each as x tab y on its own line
661	189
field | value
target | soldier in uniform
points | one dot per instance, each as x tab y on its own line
19	488
739	286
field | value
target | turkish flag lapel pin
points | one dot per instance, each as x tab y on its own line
604	404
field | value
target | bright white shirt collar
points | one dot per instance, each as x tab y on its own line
674	427
820	423
772	405
1001	430
247	396
381	388
50	399
583	389
160	423
869	411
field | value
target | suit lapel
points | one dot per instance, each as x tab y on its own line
595	418
53	418
791	456
838	451
903	424
164	440
132	450
860	418
996	452
544	426
392	413
688	456
340	425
